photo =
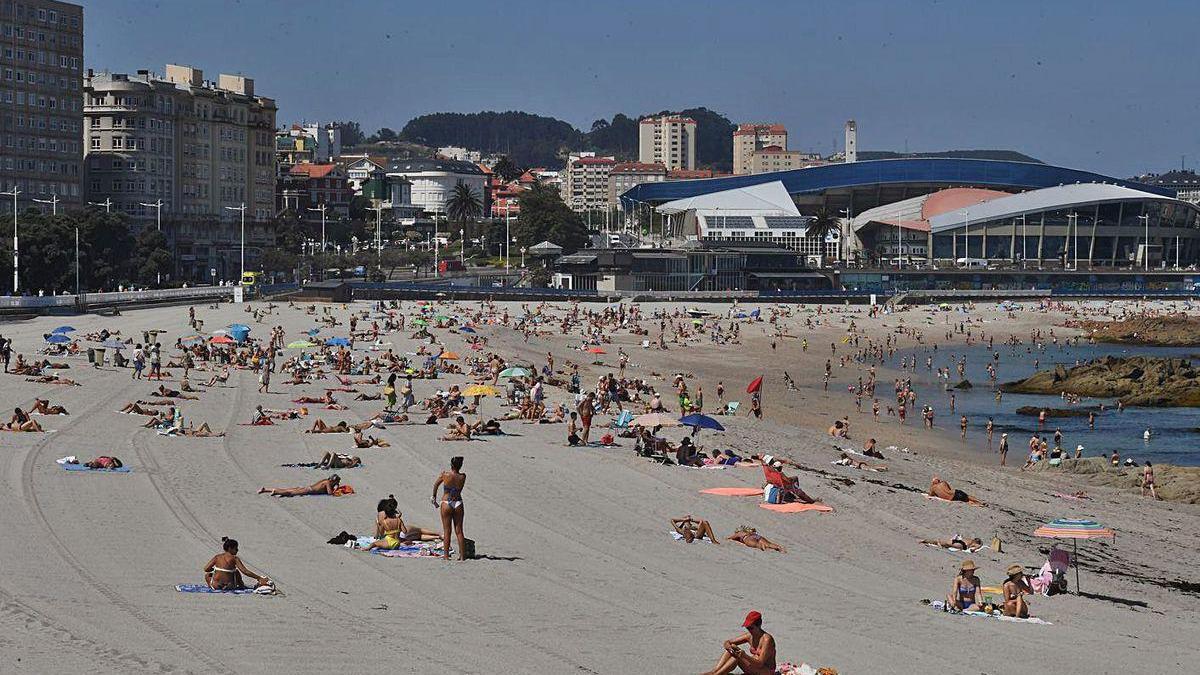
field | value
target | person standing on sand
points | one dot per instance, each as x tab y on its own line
586	409
451	506
1004	448
990	427
962	425
1148	481
761	647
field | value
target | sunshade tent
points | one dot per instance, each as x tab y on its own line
1065	528
64	329
654	420
223	340
337	342
191	339
57	339
467	329
481	390
448	356
701	422
113	344
515	372
300	344
420	322
596	350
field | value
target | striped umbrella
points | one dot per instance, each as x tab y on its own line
1066	528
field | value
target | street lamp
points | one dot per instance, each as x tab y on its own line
107	204
53	202
241	208
849	217
378	235
158	222
522	257
16	258
462	247
322	210
1146	251
507	233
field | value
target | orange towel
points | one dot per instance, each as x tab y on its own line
796	507
734	491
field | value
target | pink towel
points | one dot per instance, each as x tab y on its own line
796	507
734	491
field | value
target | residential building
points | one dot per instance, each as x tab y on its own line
314	143
668	140
308	186
359	168
460	154
433	181
585	183
41	101
205	149
689	174
625	175
775	158
750	138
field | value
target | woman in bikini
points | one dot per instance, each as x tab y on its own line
749	536
321	487
965	594
43	407
361	441
1015	588
955	543
451	506
692	529
320	427
391	531
21	421
226	570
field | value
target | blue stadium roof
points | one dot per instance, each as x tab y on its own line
956	172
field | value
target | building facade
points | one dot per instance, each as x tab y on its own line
775	158
750	138
624	176
41	101
314	143
433	181
667	140
585	182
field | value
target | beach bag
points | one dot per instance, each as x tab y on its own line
468	548
772	494
996	545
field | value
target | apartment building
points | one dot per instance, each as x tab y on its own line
204	149
41	101
667	140
775	158
624	176
311	143
750	138
585	183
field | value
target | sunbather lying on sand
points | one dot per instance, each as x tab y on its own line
750	537
202	431
219	378
135	409
104	462
847	460
43	407
21	421
693	529
337	460
321	487
53	379
320	427
956	543
327	398
172	393
942	490
361	441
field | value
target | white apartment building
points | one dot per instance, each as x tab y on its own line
750	138
667	140
585	181
624	176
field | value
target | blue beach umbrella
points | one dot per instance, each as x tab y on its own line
466	329
701	422
238	326
313	331
337	342
58	339
113	344
64	329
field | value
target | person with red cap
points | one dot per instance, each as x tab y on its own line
759	660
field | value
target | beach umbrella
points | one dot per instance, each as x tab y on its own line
313	331
654	420
223	340
300	344
697	322
57	339
515	371
448	356
596	350
237	326
441	317
337	342
64	329
191	339
220	332
1065	528
701	422
481	390
420	322
113	344
467	329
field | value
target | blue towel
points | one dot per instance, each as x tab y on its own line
201	588
80	467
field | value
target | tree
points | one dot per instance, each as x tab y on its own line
506	169
352	134
384	134
48	251
822	225
464	204
545	217
151	258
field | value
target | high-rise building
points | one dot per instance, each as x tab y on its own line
203	148
624	176
667	140
585	181
41	104
750	138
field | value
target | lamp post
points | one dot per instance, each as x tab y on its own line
378	236
16	258
845	257
241	208
158	223
462	247
107	204
53	202
522	257
322	210
435	243
1146	251
507	233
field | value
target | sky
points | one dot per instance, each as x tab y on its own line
1108	86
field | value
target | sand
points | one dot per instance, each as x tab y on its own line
580	573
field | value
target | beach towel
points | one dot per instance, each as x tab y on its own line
80	467
314	465
795	507
946	501
623	419
957	550
733	491
201	588
679	537
940	606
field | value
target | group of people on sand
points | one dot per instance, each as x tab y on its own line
967	595
690	529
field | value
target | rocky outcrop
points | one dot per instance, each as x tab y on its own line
1135	380
1034	411
1172	330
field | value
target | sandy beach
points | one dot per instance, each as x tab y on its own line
577	569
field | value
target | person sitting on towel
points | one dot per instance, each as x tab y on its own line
42	406
21	421
1015	588
691	529
942	490
966	594
226	570
761	657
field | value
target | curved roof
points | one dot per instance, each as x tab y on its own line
914	213
1059	197
768	197
422	165
947	171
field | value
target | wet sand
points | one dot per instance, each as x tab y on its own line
580	572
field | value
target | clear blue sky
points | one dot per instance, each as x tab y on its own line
1107	86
